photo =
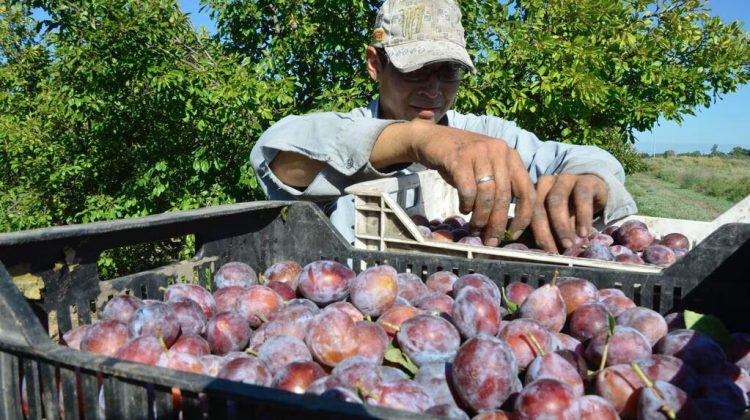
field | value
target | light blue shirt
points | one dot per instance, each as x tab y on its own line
344	142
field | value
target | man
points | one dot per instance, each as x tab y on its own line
418	58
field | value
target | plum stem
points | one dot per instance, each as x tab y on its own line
642	375
605	352
163	344
261	317
536	343
394	327
252	351
554	277
666	408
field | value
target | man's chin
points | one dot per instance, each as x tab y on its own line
426	115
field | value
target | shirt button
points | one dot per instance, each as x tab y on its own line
349	163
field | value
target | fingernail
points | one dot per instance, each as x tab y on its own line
517	235
583	232
492	242
567	243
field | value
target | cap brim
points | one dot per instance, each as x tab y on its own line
415	55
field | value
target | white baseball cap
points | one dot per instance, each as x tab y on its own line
415	33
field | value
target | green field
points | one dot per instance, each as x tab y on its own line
686	187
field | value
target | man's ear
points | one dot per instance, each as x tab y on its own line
374	66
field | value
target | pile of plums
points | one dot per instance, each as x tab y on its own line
450	346
630	243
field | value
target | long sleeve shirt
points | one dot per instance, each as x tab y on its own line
344	142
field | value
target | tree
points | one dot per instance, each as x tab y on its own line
585	72
594	71
119	108
738	151
715	151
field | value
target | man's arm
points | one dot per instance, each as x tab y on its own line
572	182
460	156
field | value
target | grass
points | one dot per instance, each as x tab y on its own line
693	188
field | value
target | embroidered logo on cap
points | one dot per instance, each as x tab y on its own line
378	35
411	21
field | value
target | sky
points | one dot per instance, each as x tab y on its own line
725	123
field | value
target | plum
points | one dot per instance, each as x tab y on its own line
575	292
483	373
441	282
545	305
411	288
249	370
199	294
121	308
434	379
517	335
227	332
331	337
372	341
235	273
624	346
324	282
298	376
256	303
286	272
633	234
156	319
401	394
659	255
374	290
649	322
588	321
428	339
145	349
675	241
280	350
475	312
547	398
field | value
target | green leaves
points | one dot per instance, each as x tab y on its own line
707	324
592	72
395	356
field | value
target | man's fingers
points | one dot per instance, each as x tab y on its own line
583	199
485	196
558	209
466	186
526	196
498	217
589	195
540	222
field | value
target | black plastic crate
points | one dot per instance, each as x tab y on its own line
709	279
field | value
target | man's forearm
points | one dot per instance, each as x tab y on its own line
294	169
391	147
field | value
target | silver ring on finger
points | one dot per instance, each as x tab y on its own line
484	179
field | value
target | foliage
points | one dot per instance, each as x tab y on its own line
120	108
595	71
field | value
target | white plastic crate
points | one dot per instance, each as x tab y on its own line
382	222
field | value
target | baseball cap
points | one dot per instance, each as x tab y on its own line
415	33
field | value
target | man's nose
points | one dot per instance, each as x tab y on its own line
431	86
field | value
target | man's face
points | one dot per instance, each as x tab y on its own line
426	94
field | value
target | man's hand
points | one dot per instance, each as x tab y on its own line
462	158
565	206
